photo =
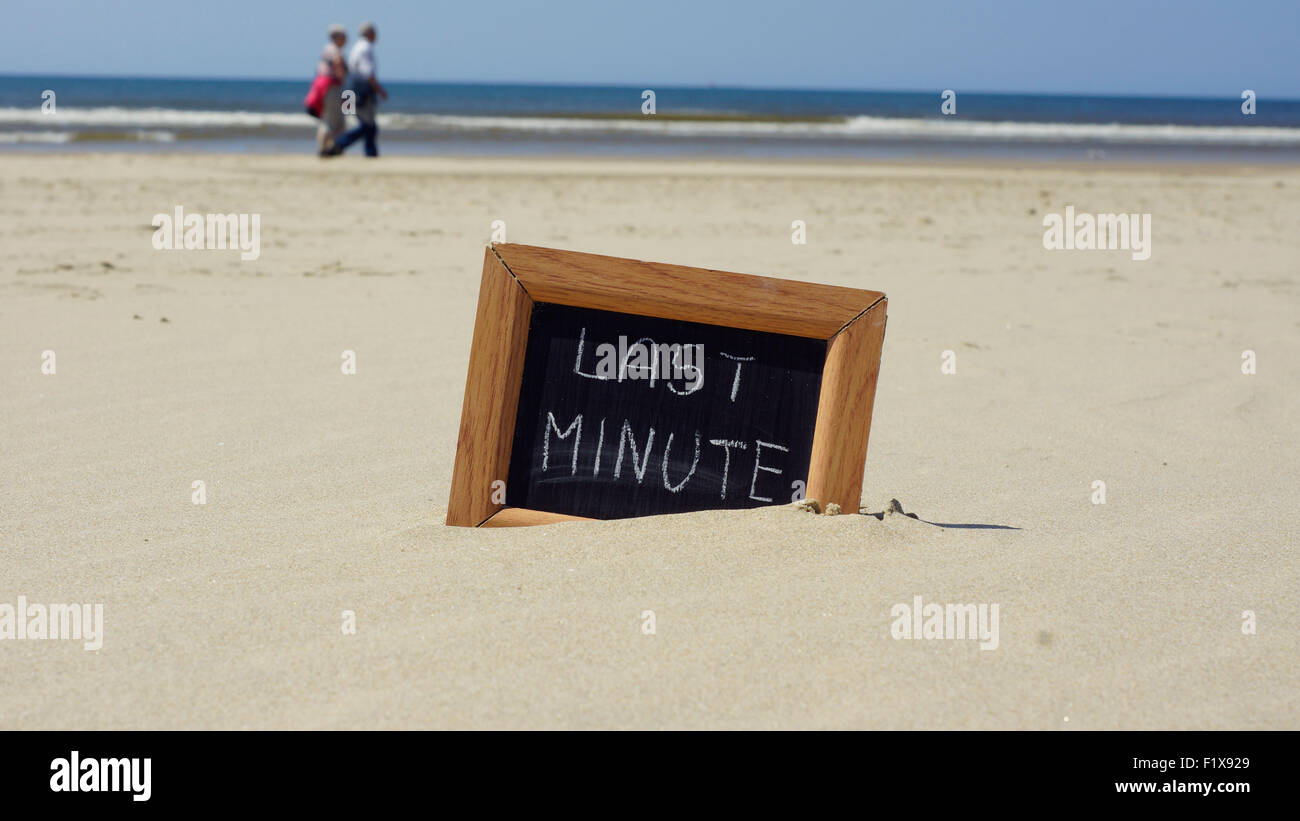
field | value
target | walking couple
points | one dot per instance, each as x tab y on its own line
353	84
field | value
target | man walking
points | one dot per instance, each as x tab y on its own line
364	83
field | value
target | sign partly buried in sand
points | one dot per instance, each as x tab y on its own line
603	388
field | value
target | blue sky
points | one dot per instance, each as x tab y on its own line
1101	46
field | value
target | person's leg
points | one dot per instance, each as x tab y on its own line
367	114
332	115
349	137
372	140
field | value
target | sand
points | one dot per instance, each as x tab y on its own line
326	492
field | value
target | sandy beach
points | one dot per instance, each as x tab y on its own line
327	492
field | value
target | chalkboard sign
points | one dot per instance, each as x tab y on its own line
621	415
603	388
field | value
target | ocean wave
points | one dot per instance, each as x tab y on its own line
45	137
866	128
1075	132
160	121
144	118
64	137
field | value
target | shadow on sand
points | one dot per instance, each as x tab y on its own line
896	507
967	527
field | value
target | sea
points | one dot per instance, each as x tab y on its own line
60	114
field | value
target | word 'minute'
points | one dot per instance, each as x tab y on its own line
74	774
211	232
952	621
1089	232
58	621
640	460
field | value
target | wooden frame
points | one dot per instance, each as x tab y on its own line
852	321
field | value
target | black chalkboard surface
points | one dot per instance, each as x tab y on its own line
624	415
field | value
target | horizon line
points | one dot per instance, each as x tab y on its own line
705	86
